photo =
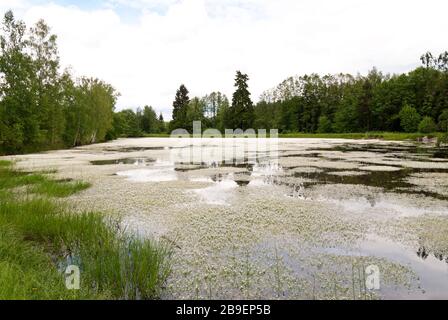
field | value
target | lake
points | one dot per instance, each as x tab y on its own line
303	220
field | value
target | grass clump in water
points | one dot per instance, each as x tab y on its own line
38	183
5	163
59	189
40	237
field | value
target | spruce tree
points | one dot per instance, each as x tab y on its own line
180	107
242	109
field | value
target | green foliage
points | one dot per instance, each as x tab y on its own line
18	106
427	125
39	107
180	108
212	110
26	272
409	118
392	136
216	106
356	104
241	112
345	119
195	112
128	123
311	103
89	112
4	163
442	139
443	121
59	189
149	121
266	115
44	54
161	124
325	125
39	237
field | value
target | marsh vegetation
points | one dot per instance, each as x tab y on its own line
40	236
304	226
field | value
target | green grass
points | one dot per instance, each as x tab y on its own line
26	271
442	139
59	189
5	163
11	178
390	136
156	135
39	237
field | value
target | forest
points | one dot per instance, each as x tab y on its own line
42	107
413	102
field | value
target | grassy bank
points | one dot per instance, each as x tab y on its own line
390	136
40	237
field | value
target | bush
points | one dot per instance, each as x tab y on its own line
442	139
443	121
409	119
427	125
325	125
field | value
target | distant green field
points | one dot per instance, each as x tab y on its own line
398	136
156	135
390	136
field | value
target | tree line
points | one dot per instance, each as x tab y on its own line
130	123
214	110
40	106
412	102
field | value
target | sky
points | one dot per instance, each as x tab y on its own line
147	48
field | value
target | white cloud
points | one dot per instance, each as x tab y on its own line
202	42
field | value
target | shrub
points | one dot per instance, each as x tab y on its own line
409	119
442	139
427	125
443	121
